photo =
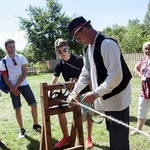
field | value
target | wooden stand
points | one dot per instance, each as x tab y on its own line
52	107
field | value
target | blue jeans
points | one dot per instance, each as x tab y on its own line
27	94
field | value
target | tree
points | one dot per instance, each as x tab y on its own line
2	53
116	32
133	39
130	38
133	22
147	19
43	27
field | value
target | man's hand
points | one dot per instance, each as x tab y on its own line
72	99
17	93
88	97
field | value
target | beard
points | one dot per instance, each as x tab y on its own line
11	52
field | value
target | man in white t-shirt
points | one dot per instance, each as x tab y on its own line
15	78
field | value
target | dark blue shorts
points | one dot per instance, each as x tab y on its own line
27	94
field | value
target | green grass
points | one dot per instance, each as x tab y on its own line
9	128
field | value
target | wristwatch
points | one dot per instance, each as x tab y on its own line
95	94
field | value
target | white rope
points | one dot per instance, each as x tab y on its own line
111	118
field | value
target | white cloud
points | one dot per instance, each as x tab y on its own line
19	38
3	37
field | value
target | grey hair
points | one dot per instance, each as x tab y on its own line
146	44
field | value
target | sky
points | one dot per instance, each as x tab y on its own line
102	13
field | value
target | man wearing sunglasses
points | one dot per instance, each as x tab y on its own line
14	74
70	66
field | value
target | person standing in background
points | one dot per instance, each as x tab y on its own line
70	66
15	78
142	68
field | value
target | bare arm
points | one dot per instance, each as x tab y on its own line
22	77
137	69
15	91
54	80
7	81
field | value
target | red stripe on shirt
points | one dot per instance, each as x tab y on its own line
4	72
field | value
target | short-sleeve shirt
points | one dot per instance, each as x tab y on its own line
70	69
145	70
145	67
14	71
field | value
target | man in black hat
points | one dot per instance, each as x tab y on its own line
106	69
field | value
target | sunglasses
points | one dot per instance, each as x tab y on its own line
62	51
14	61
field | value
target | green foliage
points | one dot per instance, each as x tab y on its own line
130	38
117	32
147	19
133	36
43	27
133	39
30	54
45	24
2	53
42	67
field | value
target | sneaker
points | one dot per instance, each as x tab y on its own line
89	143
22	133
63	142
37	127
134	132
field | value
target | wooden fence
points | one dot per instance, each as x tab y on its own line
51	64
131	60
31	70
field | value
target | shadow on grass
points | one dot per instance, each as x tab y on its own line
134	119
147	122
3	146
100	146
35	144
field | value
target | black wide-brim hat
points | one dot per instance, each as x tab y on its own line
76	24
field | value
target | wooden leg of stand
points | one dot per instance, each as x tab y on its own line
73	134
42	142
79	126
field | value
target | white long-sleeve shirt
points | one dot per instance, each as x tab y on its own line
110	52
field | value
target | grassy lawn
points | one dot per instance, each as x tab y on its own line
9	128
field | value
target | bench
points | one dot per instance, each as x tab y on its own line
31	70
